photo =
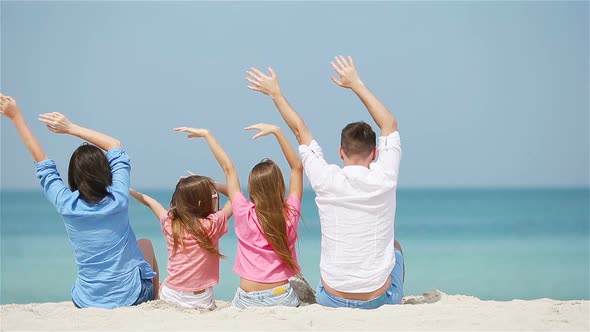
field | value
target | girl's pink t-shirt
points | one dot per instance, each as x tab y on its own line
193	268
255	258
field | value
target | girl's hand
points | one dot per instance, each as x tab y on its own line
194	132
135	194
265	129
8	107
56	122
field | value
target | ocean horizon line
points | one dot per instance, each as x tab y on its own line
402	189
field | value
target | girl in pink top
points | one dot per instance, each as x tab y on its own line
192	228
266	226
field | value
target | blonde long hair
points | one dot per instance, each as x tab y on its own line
267	191
192	202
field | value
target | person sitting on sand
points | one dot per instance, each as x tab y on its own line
361	265
114	269
192	227
266	226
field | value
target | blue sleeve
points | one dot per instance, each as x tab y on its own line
53	186
121	170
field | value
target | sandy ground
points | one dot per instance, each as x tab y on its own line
433	310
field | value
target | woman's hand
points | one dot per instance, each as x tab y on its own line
56	122
8	107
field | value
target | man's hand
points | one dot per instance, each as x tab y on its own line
56	122
265	129
194	132
269	85
8	107
349	77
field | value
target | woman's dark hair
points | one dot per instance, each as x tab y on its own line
90	173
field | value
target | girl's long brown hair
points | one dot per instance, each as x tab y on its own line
192	202
267	191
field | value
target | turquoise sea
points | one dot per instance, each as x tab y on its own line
496	244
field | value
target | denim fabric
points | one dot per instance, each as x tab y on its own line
393	295
283	295
147	292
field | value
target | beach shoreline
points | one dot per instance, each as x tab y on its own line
433	310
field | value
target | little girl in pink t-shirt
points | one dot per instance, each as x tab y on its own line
266	226
192	228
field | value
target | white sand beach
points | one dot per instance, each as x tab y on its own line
433	310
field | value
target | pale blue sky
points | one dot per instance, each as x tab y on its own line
486	93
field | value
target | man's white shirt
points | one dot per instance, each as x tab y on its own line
357	213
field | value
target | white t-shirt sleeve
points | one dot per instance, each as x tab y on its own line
315	166
390	154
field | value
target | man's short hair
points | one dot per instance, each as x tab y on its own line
358	139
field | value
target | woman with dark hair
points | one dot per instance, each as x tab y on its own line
114	269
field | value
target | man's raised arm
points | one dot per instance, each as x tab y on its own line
349	78
269	85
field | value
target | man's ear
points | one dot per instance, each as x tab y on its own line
341	152
374	154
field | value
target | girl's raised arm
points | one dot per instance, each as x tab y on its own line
221	187
9	109
231	175
148	201
58	123
296	179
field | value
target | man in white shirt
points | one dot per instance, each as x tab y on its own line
361	265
